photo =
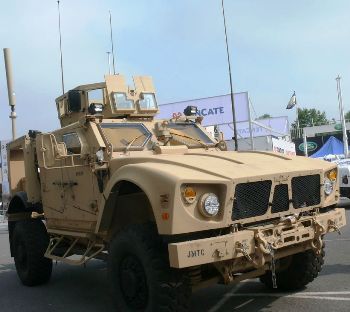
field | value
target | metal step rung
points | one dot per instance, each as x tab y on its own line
92	249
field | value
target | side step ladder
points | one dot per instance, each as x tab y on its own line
92	246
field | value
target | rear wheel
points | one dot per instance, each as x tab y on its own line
140	274
296	270
30	240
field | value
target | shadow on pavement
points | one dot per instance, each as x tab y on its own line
70	289
223	298
87	289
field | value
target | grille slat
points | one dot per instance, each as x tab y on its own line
306	191
280	201
251	199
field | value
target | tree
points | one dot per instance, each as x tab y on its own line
264	116
310	117
347	116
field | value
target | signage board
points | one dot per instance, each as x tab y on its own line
216	110
283	147
279	127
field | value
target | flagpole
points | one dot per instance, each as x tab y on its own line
297	113
342	117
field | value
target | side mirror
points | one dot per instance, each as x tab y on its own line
74	101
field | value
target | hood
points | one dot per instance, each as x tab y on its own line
236	165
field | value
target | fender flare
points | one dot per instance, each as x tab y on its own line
140	175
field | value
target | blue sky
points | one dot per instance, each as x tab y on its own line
276	47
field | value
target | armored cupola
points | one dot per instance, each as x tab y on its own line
111	99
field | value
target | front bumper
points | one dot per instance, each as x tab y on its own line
288	232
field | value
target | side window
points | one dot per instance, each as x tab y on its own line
72	142
95	96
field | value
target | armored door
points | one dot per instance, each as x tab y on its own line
79	183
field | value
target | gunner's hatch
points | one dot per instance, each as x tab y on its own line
117	100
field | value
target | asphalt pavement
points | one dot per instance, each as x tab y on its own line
87	288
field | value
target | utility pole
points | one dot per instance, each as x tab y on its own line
10	91
231	87
342	117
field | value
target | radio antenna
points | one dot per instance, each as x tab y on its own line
111	34
231	87
60	35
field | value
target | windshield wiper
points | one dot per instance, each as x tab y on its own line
129	144
179	133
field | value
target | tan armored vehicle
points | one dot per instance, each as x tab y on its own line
167	206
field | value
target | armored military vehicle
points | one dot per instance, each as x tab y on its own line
166	205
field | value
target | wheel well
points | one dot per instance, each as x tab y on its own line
18	204
127	204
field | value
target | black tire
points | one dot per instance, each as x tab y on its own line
140	274
301	270
30	240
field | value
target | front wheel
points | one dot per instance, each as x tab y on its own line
30	240
296	270
140	274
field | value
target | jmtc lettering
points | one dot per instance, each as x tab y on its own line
195	253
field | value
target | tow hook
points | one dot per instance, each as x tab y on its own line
243	248
333	225
317	243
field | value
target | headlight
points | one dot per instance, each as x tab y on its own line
328	186
329	181
209	205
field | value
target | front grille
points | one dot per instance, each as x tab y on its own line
280	201
251	199
306	191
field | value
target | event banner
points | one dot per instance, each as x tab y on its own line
216	110
276	126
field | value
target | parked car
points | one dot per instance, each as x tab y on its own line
344	177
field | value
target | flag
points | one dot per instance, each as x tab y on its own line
292	102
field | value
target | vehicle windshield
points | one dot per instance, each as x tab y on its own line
189	134
126	136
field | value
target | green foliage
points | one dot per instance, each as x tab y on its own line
310	117
347	116
266	116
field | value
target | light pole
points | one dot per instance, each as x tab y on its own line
10	91
342	117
